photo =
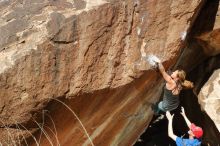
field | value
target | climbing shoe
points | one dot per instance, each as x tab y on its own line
161	117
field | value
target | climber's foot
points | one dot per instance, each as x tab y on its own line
161	117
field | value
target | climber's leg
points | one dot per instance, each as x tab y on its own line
157	108
160	106
158	112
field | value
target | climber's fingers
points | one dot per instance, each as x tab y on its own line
182	110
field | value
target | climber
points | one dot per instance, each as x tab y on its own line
195	132
174	84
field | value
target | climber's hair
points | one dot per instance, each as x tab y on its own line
182	78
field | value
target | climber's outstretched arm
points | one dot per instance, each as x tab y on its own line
170	126
185	117
164	73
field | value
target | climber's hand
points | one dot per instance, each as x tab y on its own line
156	64
182	111
160	66
169	116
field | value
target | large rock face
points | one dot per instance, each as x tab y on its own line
89	52
209	98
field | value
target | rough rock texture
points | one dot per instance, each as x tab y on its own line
209	97
211	42
217	20
89	52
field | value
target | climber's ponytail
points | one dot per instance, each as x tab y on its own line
187	84
184	83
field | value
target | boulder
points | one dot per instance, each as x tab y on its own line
90	53
209	98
